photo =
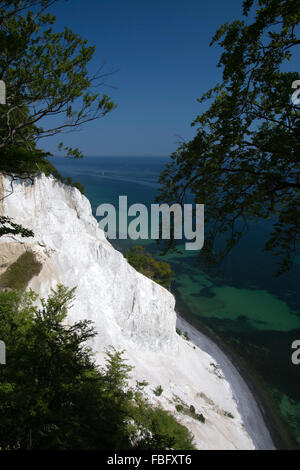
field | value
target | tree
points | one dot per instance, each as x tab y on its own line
54	396
243	162
46	76
47	370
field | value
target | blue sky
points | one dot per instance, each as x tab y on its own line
160	53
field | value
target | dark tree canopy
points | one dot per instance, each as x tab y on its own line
243	162
46	76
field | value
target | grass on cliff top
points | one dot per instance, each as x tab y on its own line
19	273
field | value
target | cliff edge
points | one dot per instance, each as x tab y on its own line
129	311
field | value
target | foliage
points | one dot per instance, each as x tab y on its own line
19	273
199	417
52	394
48	169
179	408
161	431
15	159
158	391
216	370
189	411
141	385
243	162
22	163
46	76
184	334
75	184
158	271
25	163
8	226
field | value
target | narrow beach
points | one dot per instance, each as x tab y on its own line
248	407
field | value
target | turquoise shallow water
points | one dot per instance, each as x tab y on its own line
252	312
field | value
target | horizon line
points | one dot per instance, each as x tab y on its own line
112	156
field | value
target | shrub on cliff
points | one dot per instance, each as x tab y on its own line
158	271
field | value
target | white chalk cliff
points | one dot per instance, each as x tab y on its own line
129	311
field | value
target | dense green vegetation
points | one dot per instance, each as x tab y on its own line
243	162
29	163
19	273
158	271
54	396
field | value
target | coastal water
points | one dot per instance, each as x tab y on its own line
254	314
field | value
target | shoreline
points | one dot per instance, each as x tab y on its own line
253	408
249	405
257	418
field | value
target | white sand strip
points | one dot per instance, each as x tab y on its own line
248	407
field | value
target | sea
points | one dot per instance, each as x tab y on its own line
252	313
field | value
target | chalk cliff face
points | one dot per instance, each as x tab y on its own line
129	311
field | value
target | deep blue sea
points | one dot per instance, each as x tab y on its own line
254	314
